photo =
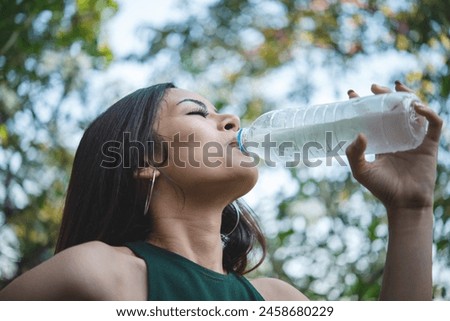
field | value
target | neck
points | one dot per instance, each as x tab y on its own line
190	228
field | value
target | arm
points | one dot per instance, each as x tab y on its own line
404	183
407	273
69	275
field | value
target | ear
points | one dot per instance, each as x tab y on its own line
146	173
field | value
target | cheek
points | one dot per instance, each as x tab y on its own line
192	150
193	167
198	154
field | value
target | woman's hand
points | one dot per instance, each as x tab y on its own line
402	180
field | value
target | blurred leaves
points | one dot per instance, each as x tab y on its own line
329	238
46	49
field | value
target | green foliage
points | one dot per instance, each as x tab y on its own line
329	238
46	48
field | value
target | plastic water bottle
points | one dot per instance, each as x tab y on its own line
389	122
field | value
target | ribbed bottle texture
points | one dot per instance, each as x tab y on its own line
389	122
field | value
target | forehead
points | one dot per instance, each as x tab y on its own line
175	95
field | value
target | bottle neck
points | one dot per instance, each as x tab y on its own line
240	137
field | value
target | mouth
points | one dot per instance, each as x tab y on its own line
234	144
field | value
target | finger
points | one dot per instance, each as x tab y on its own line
435	122
377	89
401	87
355	156
352	94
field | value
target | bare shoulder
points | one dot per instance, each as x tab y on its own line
89	271
277	290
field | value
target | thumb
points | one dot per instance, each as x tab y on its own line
355	156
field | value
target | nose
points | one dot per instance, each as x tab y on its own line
230	122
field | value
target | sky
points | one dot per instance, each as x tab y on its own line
131	14
123	33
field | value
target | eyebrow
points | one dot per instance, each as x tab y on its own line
195	101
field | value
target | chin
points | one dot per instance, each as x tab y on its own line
245	179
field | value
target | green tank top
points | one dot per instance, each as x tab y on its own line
172	277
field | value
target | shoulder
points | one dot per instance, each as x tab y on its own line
89	271
277	290
105	272
88	255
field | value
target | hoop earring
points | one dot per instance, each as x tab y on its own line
238	218
149	196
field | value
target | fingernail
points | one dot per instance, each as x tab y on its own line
419	105
379	86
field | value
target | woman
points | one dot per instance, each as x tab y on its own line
152	212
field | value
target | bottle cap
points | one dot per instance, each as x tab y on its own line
239	140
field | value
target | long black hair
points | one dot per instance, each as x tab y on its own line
105	202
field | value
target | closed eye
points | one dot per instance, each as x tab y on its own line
199	111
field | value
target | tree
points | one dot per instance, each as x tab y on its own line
236	51
46	48
326	235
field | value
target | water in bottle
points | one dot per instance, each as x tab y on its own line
389	122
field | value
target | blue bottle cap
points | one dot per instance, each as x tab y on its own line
239	140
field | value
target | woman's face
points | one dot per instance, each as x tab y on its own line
203	153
